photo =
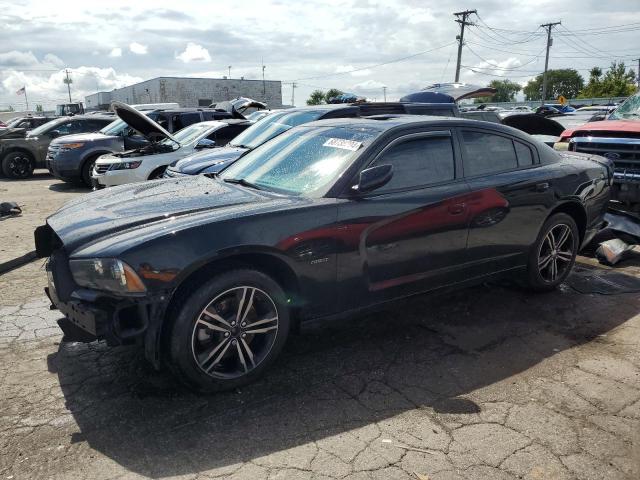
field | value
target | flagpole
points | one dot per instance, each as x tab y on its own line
25	97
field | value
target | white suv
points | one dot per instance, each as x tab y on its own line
150	161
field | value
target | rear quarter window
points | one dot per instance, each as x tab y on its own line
487	153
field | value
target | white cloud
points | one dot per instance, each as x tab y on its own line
54	60
349	68
15	58
138	48
115	52
368	86
194	53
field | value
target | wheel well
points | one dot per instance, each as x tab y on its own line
265	263
575	211
157	170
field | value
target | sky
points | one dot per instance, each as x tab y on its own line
358	46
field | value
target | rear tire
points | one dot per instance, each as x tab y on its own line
18	165
228	331
553	254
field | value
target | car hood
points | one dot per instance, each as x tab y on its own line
621	126
140	122
107	212
194	164
448	93
238	106
13	132
81	137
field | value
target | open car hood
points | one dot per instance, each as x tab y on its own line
534	124
448	93
238	106
140	122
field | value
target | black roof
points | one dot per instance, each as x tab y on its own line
388	122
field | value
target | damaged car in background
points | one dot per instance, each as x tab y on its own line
210	274
618	139
150	161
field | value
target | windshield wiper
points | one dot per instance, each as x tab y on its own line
243	182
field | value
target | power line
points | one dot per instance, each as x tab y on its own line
401	59
535	58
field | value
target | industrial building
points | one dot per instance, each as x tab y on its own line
189	92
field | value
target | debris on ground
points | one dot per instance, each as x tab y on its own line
9	208
613	251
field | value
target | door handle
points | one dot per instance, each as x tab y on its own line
542	187
457	208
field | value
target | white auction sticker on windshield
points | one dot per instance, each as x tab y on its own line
342	143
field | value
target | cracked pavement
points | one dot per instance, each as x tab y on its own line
487	383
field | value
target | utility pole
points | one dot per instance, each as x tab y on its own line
638	73
68	82
548	26
463	22
264	86
293	93
229	67
384	92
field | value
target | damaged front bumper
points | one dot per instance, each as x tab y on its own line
91	315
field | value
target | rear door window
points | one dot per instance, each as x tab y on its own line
418	162
487	153
224	135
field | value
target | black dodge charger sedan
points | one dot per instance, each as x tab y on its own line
210	274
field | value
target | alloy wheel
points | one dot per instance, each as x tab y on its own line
556	253
19	166
235	332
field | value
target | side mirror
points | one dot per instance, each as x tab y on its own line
205	143
372	178
54	133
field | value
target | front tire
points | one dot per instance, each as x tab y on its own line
87	168
552	256
229	331
18	165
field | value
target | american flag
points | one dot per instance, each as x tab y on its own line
22	91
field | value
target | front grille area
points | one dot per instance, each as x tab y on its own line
52	152
624	152
101	169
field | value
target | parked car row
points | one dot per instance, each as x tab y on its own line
310	213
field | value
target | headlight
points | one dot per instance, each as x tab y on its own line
126	165
106	274
71	146
561	146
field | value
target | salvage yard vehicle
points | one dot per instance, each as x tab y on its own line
274	124
210	274
20	156
29	122
617	138
72	158
150	161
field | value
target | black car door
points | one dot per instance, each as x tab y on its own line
510	195
409	235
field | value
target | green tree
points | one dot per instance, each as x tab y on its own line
505	91
332	92
566	82
39	108
316	98
616	82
